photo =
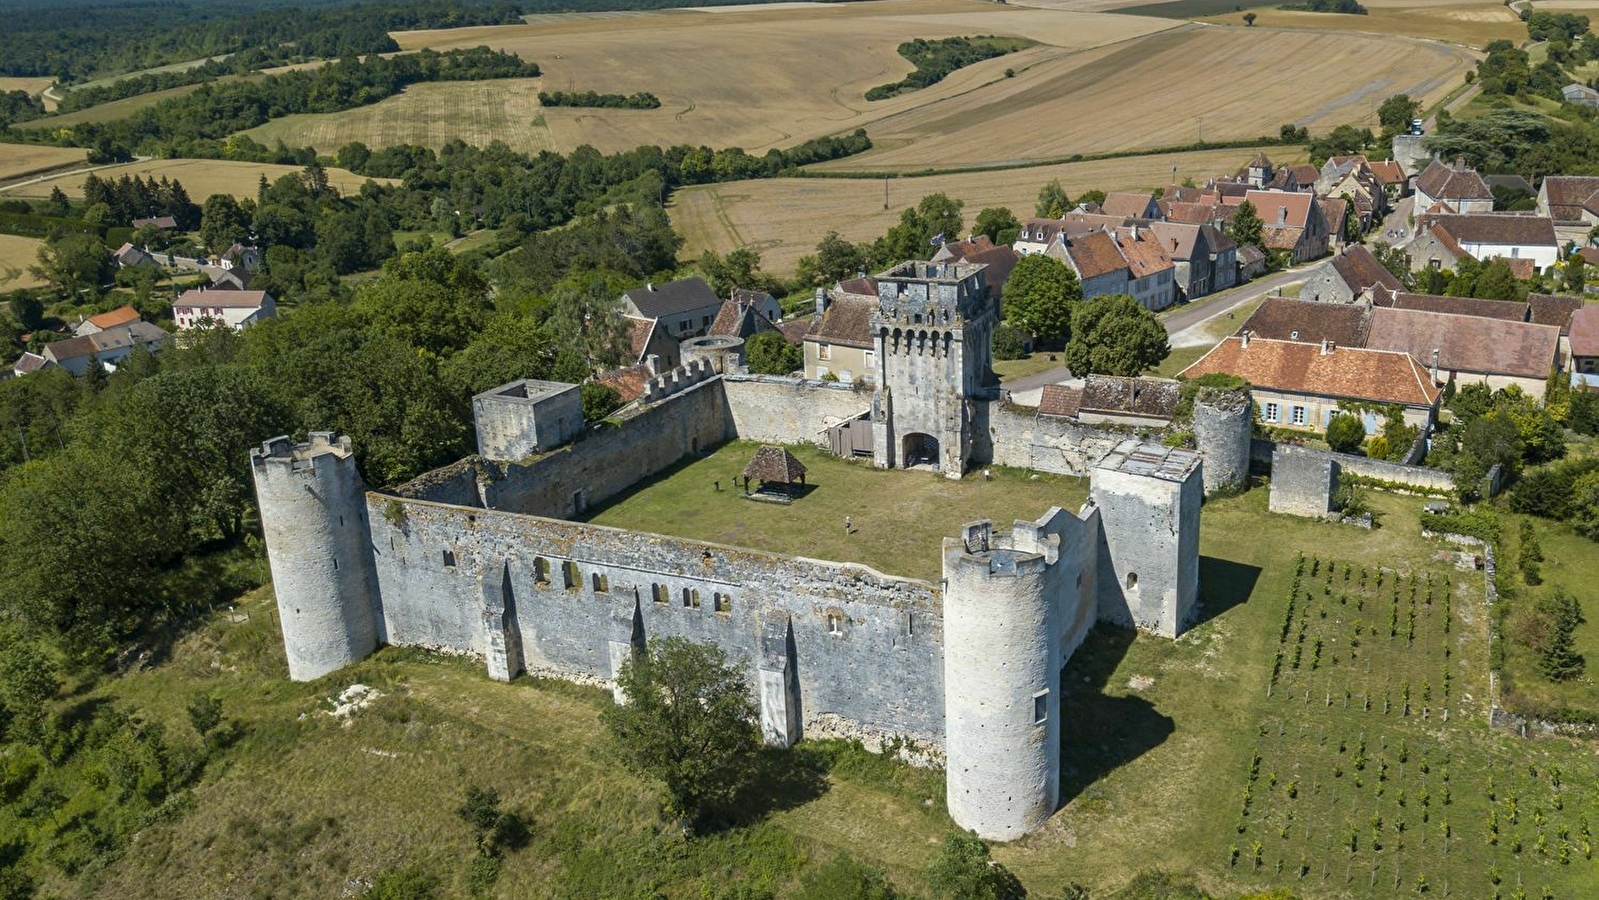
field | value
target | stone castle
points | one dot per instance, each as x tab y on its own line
484	556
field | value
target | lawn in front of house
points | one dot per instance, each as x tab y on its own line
899	517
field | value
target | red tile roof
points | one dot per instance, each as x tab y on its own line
1307	321
1503	310
1343	372
1060	400
1551	309
1361	271
628	381
847	321
1585	332
1458	182
122	315
1281	209
1095	254
1467	343
1125	204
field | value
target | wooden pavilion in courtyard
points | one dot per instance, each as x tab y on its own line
777	473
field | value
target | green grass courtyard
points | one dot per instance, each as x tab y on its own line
899	518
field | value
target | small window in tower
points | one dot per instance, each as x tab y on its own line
570	578
335	564
541	571
691	598
1132	580
835	623
602	583
1041	707
659	593
341	521
449	559
723	602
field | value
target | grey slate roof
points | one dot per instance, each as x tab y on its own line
656	300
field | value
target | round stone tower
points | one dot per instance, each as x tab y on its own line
725	353
1221	435
1001	686
313	511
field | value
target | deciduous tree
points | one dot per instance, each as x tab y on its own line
965	871
1039	295
1053	202
999	223
688	722
769	353
1345	433
1114	335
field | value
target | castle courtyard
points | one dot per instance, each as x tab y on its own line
898	518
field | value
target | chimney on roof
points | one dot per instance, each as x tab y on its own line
821	301
1435	365
1327	347
1460	164
1282	215
1243	338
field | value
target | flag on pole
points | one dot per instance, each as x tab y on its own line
938	240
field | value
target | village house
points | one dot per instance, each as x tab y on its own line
1336	212
1151	275
1301	385
128	256
650	345
1291	222
1353	176
1352	276
999	258
1487	236
240	256
744	315
164	223
238	310
27	364
1457	186
1037	235
839	343
683	308
1205	260
1129	205
1469	349
108	348
1585	348
1580	94
116	318
1309	322
762	302
1097	259
1572	201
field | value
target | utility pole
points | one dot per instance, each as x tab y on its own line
885	192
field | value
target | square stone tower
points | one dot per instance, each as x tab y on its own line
931	334
1148	497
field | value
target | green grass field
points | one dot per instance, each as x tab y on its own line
899	517
1571	562
1033	364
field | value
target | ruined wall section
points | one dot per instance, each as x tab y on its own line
776	410
1051	444
1302	481
609	458
1149	500
866	657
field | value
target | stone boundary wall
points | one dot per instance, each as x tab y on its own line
1260	452
557	597
1051	444
778	410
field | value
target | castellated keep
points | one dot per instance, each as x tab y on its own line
485	556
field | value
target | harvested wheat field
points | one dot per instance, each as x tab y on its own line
783	218
1472	24
18	160
760	78
32	86
430	114
200	177
1166	90
16	255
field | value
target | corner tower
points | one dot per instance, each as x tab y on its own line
313	512
1223	423
1148	497
931	334
1009	603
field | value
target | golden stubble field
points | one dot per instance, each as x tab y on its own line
200	177
783	218
16	255
1472	23
20	160
763	77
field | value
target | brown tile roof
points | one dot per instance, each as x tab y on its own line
163	222
1281	209
1305	174
1192	213
999	259
122	315
1344	372
1523	268
1389	172
28	363
1060	400
1441	232
638	335
1178	193
1550	309
1361	271
1497	228
628	381
1249	254
847	321
71	348
1571	195
1467	343
1585	332
1333	209
1503	310
737	318
1145	256
794	329
1590	255
1457	182
774	464
1287	319
1154	397
1281	238
1125	204
1177	239
1040	230
864	287
1095	254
